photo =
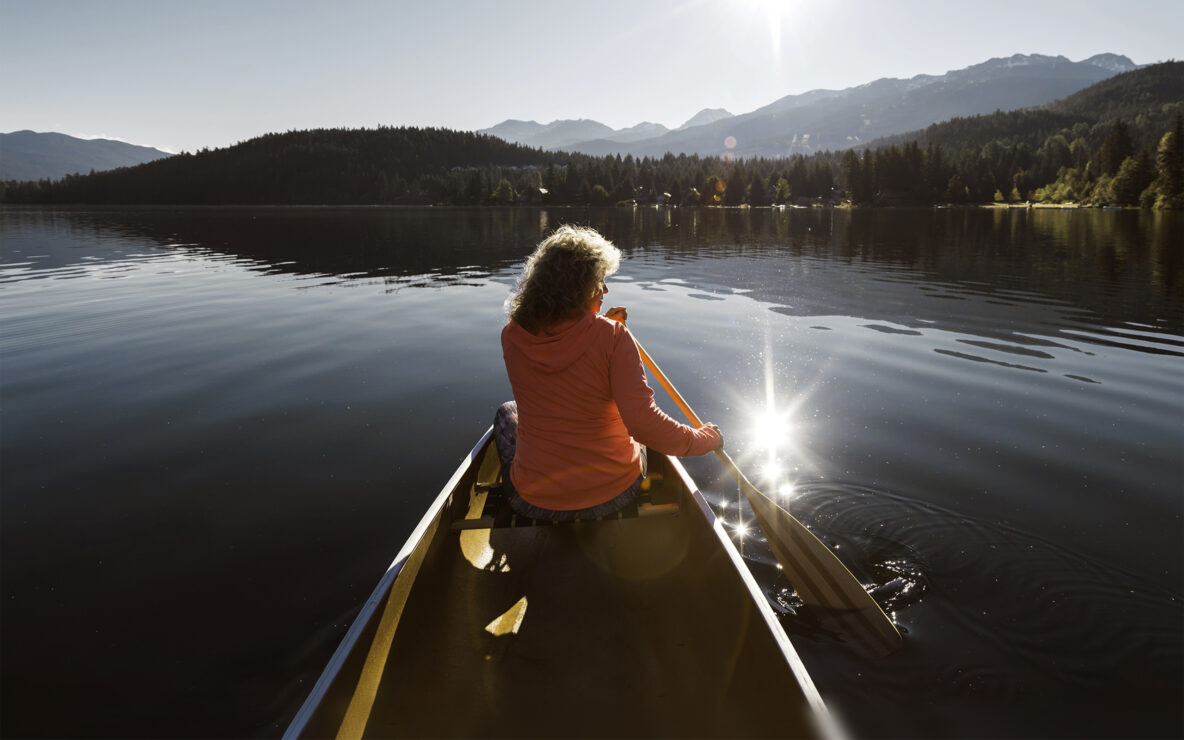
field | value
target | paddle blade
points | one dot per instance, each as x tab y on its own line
820	578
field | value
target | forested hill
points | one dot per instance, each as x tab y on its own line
1126	95
320	166
1118	142
1147	99
1072	150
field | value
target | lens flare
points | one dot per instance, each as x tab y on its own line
771	471
772	430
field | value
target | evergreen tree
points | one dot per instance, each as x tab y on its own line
736	186
551	178
1169	164
956	190
822	178
503	194
852	176
1133	177
783	192
758	190
713	191
1079	150
935	171
1115	149
623	191
476	188
799	176
868	183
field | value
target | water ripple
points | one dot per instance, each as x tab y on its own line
1016	598
977	358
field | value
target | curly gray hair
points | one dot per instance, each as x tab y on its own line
562	277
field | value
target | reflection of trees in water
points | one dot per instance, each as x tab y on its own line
1127	265
355	242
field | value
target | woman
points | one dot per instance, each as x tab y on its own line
573	437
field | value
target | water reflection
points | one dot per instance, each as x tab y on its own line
1080	269
1115	264
200	401
407	247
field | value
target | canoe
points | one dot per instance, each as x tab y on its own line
487	625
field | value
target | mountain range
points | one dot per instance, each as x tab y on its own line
570	134
814	121
835	119
29	155
1112	143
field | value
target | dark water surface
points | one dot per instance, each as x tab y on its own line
218	425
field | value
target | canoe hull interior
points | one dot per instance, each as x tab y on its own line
647	626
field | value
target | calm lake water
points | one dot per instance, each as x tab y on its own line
217	426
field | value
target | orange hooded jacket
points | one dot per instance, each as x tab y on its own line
583	408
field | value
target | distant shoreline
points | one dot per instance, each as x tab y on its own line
448	206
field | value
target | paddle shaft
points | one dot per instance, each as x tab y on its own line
682	404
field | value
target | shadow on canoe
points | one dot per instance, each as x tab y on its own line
486	625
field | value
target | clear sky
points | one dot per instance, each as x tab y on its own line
186	74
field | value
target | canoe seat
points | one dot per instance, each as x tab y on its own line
497	514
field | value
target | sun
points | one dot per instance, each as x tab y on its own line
774	10
775	14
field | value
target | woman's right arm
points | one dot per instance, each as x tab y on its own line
646	422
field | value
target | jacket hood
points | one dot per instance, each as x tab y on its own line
557	350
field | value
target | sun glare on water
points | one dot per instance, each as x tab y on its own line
771	430
773	444
772	471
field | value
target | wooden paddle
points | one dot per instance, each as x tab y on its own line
817	574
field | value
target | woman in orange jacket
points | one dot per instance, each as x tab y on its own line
574	437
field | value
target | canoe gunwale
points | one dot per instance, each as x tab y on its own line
372	608
827	725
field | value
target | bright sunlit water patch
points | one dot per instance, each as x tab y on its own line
771	430
772	442
772	471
